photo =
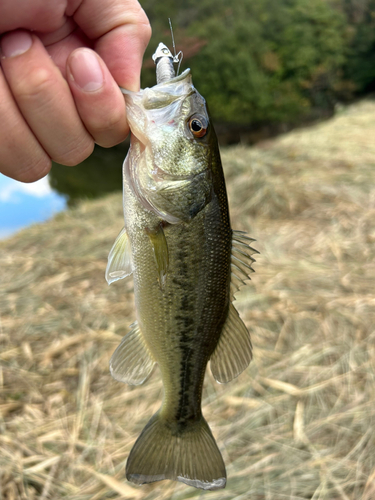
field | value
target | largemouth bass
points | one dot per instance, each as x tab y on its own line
187	263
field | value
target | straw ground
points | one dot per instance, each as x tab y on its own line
298	424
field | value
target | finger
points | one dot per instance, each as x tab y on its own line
98	98
122	31
21	155
60	50
44	98
32	15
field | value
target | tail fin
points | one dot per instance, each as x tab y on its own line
190	456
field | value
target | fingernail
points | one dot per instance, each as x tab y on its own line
15	43
86	71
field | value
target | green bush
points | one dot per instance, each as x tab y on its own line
269	60
359	68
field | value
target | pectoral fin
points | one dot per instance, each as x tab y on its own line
233	352
119	259
131	362
160	248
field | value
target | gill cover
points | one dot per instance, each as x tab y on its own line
168	164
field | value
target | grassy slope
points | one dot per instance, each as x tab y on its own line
298	424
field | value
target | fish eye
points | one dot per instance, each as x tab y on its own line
198	125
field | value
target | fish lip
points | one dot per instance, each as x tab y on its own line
159	175
177	78
180	182
142	139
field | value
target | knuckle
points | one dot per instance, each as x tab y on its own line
34	172
115	123
76	152
144	27
108	141
138	22
35	86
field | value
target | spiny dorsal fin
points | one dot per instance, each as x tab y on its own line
131	362
233	352
160	248
241	260
119	259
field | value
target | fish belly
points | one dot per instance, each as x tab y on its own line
181	321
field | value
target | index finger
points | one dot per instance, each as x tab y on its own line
121	31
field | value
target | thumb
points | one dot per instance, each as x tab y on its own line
98	98
121	31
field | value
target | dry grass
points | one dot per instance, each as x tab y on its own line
298	424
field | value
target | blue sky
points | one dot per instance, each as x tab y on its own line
23	204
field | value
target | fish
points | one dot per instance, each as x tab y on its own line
187	264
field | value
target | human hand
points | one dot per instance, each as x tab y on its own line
61	65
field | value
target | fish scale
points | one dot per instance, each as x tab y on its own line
187	263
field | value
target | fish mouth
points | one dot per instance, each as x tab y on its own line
159	175
176	79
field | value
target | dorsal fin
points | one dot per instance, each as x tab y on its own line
241	260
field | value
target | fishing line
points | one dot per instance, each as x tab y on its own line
176	57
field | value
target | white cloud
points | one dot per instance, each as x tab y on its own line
9	188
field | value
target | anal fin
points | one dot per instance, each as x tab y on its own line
131	362
233	352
